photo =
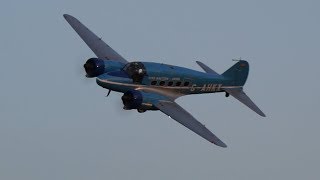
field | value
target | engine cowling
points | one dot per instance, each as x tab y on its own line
132	99
94	67
136	71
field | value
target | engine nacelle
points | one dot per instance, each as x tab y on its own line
141	101
136	71
132	99
94	67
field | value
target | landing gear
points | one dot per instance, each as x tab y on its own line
227	94
108	92
141	110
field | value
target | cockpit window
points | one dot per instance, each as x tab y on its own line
136	71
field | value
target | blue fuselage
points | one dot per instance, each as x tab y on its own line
163	76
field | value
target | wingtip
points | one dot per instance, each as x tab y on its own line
220	143
199	63
67	16
262	114
224	146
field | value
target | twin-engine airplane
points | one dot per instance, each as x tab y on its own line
155	86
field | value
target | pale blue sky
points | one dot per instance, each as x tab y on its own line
57	125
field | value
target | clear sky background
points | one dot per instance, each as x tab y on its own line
57	125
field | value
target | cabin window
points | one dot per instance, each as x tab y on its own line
153	82
170	83
162	83
186	83
178	83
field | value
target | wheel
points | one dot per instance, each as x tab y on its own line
141	110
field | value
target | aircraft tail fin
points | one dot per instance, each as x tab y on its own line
238	72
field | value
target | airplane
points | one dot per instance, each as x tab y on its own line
156	86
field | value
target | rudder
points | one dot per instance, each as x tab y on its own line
238	73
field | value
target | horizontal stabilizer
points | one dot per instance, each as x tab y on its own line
242	97
206	68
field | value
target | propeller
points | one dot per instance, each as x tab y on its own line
80	74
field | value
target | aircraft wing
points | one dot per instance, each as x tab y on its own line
177	113
240	95
96	44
